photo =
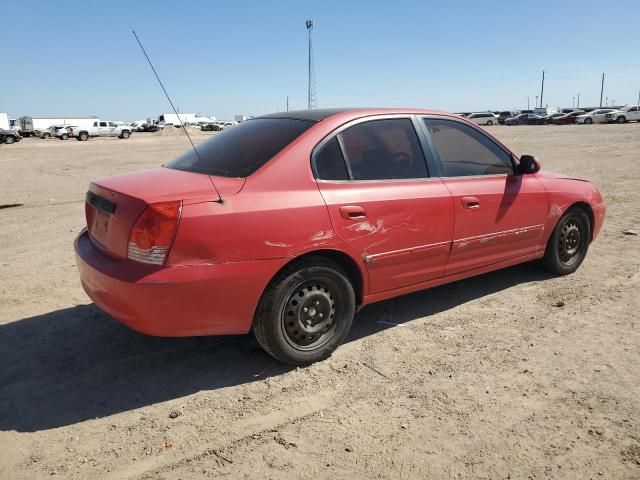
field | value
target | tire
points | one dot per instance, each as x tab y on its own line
64	136
46	135
621	119
490	122
569	242
588	121
312	296
9	139
83	136
124	135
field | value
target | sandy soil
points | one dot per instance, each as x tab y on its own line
485	378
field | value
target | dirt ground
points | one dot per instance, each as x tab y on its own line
514	374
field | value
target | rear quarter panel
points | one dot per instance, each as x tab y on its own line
279	213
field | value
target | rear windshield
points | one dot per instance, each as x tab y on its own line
240	150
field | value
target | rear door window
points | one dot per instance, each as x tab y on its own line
383	149
241	150
464	151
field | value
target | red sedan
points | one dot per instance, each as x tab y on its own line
288	223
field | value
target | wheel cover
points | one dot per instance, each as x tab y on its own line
308	317
569	242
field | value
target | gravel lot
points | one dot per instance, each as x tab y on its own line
514	374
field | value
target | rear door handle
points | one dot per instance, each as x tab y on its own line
470	202
352	212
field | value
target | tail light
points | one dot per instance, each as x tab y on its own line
153	233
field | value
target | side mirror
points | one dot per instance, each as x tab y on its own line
528	164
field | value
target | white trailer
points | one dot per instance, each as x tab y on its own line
30	125
4	121
172	118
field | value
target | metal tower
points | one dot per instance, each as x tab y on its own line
311	90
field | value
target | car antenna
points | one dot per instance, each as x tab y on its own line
176	112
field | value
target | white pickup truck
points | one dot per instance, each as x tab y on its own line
625	114
100	128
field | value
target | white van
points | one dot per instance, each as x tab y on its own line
484	118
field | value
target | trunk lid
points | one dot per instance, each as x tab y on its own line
113	204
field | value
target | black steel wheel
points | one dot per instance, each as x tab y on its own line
308	316
569	242
621	119
305	312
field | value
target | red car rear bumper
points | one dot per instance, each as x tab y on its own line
174	301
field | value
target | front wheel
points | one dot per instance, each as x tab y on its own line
9	139
588	121
490	122
305	312
621	119
64	136
84	136
569	242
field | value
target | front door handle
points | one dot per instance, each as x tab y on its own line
352	212
471	202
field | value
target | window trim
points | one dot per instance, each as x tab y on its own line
436	155
337	134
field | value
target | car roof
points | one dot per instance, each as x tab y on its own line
317	115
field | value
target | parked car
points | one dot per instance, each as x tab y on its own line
287	224
148	127
594	116
57	131
567	118
525	119
549	118
485	118
210	127
100	128
9	136
625	114
504	115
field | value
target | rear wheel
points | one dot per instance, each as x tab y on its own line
9	139
569	242
588	121
124	135
305	312
46	135
490	122
64	136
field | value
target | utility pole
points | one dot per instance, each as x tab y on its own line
639	98
601	90
527	102
287	103
578	105
536	100
311	90
542	89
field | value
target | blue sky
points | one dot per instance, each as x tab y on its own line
245	57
